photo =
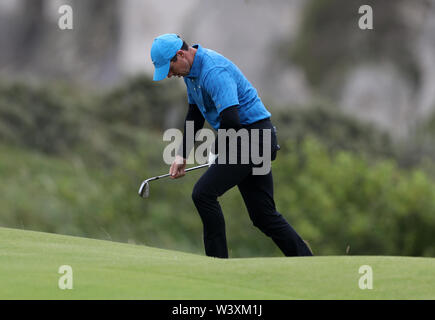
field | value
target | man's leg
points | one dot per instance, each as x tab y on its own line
257	192
213	183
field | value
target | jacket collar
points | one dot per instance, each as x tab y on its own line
196	65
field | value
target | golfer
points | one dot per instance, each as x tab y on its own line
218	92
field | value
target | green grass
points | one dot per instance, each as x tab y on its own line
29	264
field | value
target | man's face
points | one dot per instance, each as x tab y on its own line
181	67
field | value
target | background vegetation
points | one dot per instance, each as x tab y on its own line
72	160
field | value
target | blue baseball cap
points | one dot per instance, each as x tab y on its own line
164	48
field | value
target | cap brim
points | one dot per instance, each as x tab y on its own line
161	73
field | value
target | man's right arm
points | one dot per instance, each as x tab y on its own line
177	168
194	115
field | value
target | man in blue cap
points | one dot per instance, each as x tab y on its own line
218	92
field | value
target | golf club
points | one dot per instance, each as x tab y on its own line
144	190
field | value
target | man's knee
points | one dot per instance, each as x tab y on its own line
201	195
197	195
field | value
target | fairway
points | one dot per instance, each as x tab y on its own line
30	261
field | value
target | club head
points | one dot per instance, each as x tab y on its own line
144	190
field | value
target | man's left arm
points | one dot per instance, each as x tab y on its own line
223	90
229	119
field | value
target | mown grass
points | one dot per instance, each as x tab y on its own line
29	264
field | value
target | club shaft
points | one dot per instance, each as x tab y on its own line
144	184
189	169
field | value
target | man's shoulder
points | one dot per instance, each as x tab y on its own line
212	62
211	54
212	59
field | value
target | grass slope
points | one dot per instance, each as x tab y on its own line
29	264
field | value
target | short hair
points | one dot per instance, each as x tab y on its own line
184	47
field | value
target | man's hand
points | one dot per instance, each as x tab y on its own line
177	167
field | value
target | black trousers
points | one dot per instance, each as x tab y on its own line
257	193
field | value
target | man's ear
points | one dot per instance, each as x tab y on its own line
181	53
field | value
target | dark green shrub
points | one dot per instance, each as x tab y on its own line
146	104
40	118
